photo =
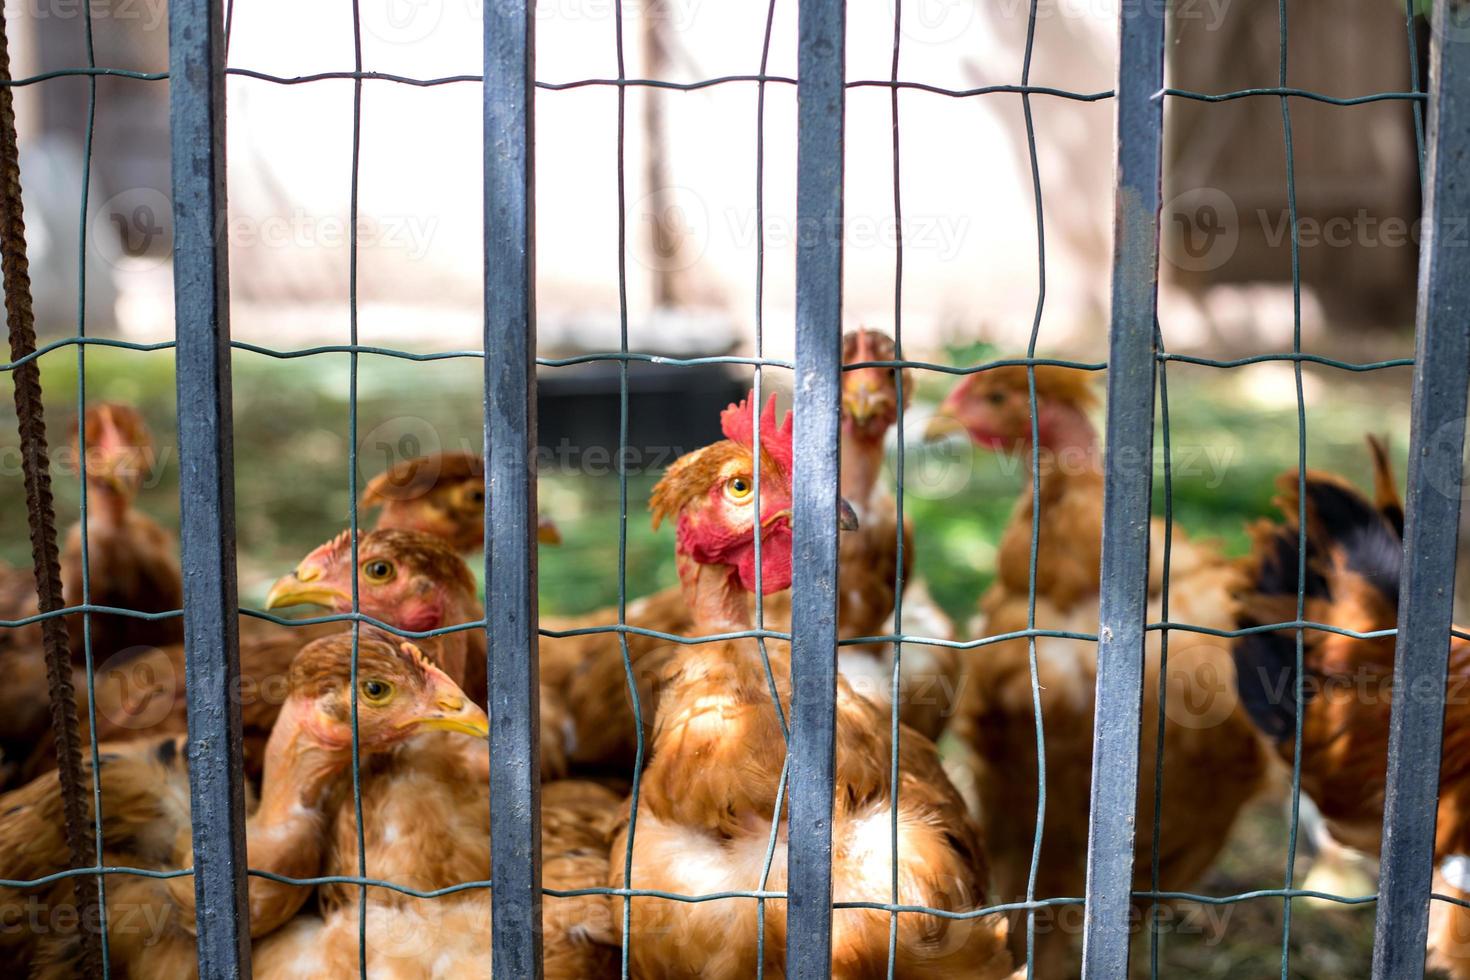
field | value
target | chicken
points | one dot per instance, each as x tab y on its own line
710	792
409	580
587	714
1213	762
144	693
868	559
442	495
133	563
416	582
146	810
1354	555
589	667
426	820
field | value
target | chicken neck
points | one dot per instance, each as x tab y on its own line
285	834
714	596
862	462
1068	439
106	507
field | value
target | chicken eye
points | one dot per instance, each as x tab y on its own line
375	691
996	398
738	488
377	570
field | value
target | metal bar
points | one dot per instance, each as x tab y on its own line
207	484
1127	492
821	66
510	510
1436	441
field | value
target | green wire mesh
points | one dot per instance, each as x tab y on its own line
624	356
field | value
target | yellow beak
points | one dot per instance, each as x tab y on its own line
456	713
862	403
296	590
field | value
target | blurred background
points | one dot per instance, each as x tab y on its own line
974	229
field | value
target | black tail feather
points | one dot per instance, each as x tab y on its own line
1344	529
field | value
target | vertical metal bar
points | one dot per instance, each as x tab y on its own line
510	511
1127	492
207	484
821	66
1437	437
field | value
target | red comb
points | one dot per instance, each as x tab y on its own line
738	423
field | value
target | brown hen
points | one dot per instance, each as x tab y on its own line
710	792
1213	762
426	820
146	810
1354	555
133	563
442	495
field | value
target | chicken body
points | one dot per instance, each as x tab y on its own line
426	820
1213	761
147	816
132	562
709	807
1353	564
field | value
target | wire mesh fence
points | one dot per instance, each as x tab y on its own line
806	703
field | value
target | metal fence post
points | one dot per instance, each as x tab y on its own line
1436	444
510	515
207	484
821	64
1127	491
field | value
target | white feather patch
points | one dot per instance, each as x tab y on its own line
1455	869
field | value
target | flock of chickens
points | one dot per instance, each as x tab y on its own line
707	722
